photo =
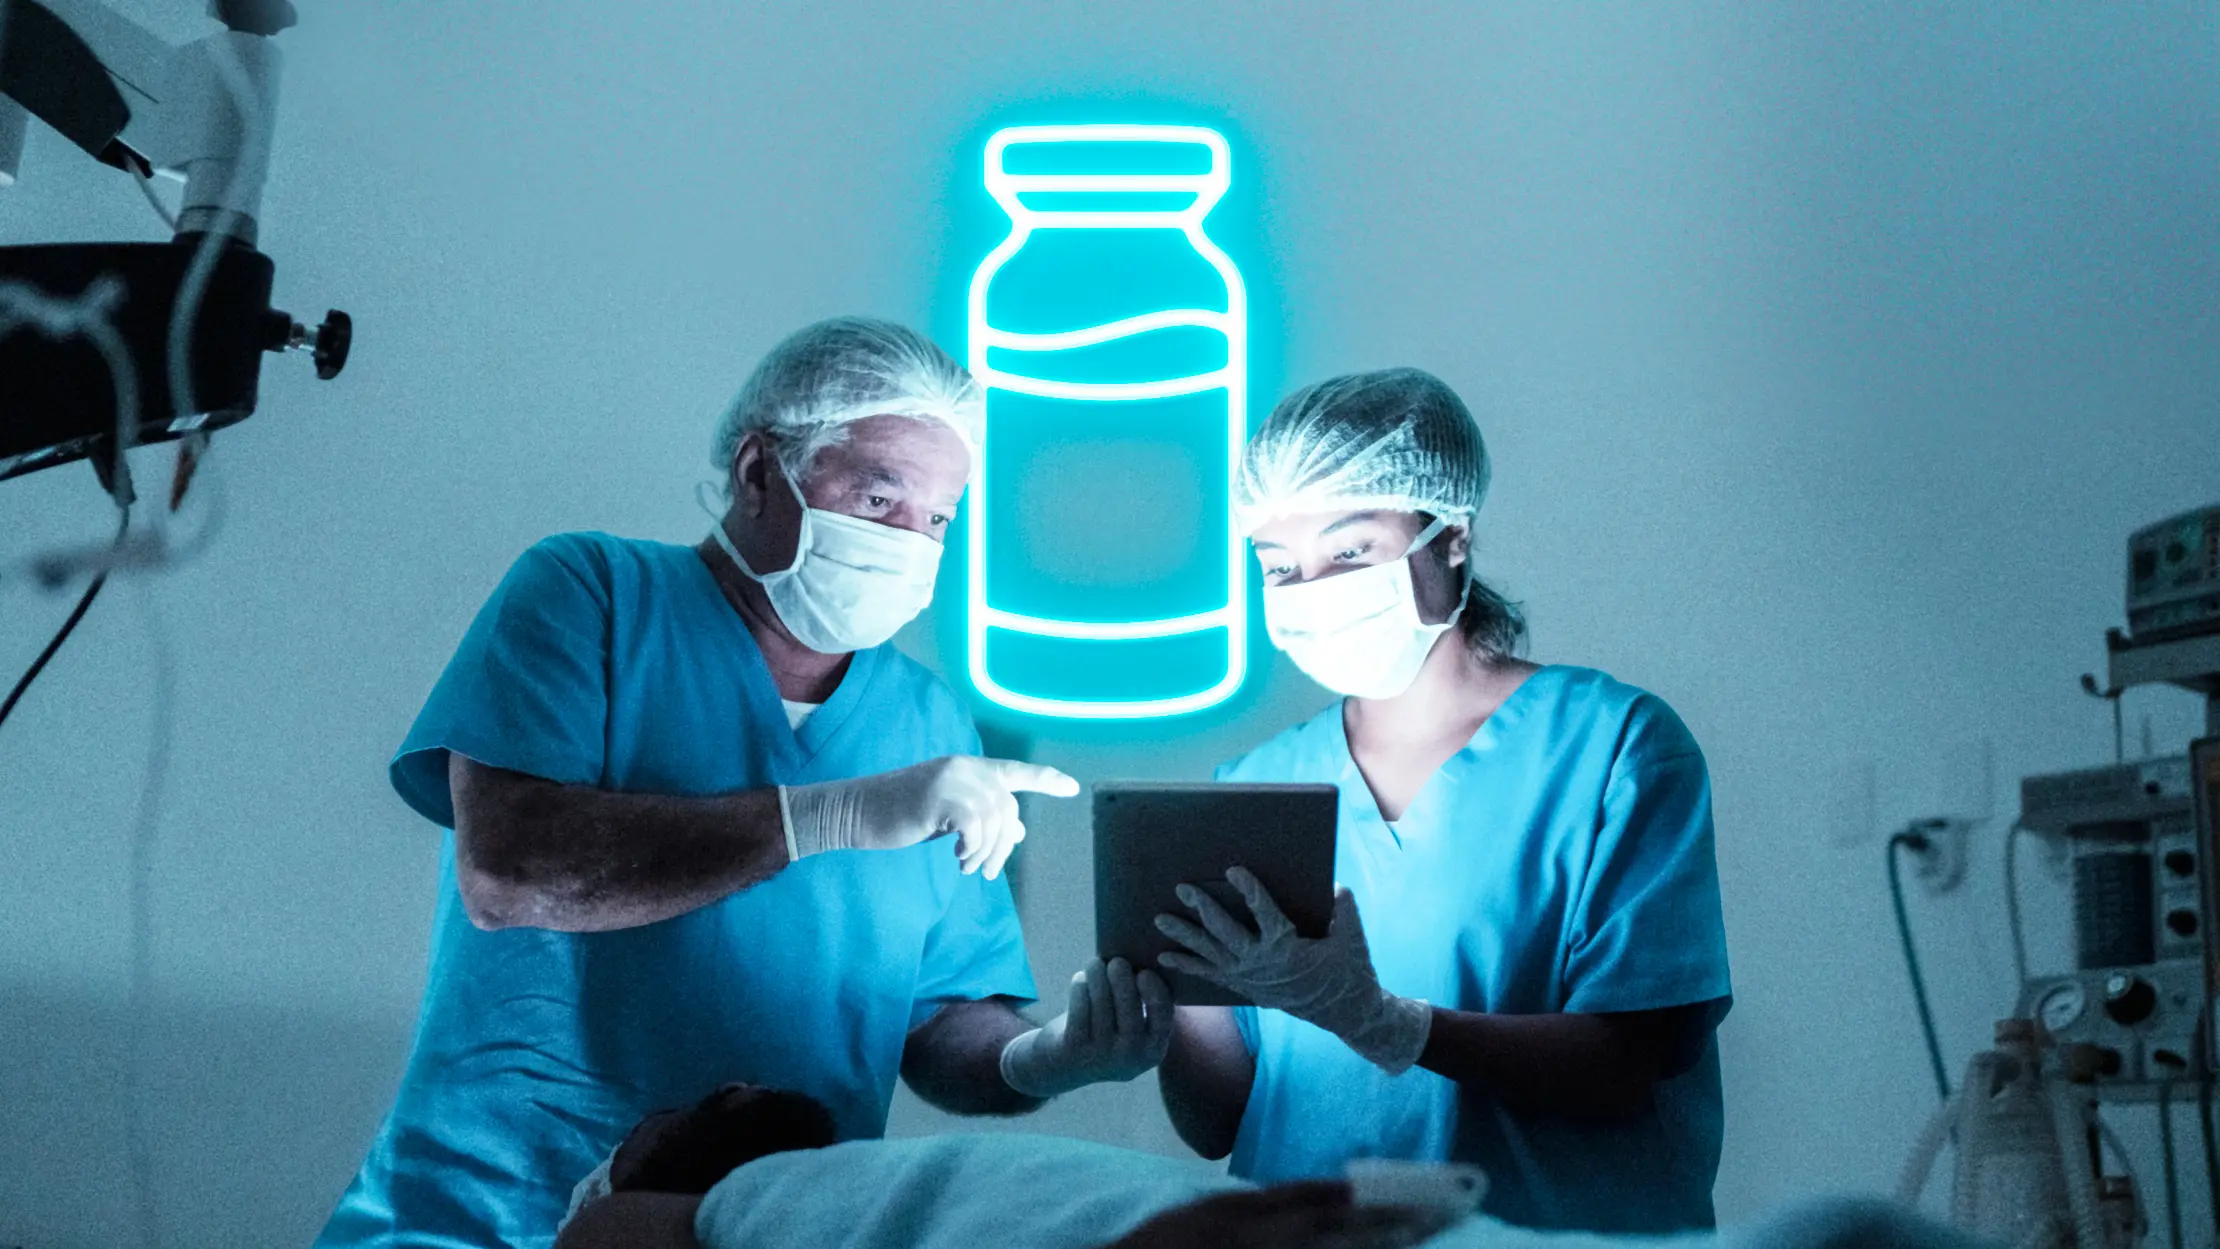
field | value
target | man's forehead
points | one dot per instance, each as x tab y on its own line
886	466
899	427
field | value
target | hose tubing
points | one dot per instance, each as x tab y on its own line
2073	1153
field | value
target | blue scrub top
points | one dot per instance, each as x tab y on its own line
619	664
1561	862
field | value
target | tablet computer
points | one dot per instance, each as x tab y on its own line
1150	838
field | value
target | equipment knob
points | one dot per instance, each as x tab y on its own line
254	17
334	339
2129	1000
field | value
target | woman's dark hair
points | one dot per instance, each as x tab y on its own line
1492	624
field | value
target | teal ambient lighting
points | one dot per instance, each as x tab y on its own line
1111	336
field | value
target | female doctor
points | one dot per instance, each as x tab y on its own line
1527	959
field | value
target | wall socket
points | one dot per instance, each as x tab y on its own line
1968	780
1941	867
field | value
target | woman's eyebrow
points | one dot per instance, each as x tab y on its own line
1353	518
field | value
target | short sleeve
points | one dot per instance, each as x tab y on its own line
528	688
1646	931
976	951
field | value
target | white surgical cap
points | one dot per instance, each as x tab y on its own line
1395	440
829	375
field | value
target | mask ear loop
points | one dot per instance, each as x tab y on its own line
1426	535
1464	597
705	496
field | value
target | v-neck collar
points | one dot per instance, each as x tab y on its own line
797	748
1502	720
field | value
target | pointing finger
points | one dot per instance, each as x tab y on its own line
1033	778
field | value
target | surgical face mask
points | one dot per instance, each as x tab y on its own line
1357	633
853	583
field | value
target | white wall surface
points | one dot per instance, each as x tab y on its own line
1828	356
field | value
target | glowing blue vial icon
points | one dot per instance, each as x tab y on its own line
1111	336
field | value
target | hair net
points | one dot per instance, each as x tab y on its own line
1398	439
824	377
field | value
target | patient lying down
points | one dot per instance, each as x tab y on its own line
750	1167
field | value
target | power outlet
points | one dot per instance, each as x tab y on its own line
1941	866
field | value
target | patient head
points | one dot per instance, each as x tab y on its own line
688	1151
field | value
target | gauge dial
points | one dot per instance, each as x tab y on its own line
2060	1006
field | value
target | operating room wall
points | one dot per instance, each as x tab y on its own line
1827	358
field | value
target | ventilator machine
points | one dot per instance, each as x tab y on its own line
2132	1020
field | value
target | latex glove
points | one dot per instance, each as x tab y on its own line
973	798
1115	1026
1328	982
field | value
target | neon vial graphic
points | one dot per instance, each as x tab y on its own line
1111	336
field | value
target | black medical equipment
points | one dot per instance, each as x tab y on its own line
108	345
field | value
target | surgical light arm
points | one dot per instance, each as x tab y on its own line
192	315
202	111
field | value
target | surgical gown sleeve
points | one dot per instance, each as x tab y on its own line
1645	930
976	951
528	688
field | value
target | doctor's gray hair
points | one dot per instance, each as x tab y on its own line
825	377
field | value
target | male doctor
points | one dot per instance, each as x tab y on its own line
708	825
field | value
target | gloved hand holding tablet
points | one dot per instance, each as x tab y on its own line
1152	838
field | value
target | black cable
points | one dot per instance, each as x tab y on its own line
2205	1125
1916	842
2012	901
2212	1155
2166	1159
69	626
